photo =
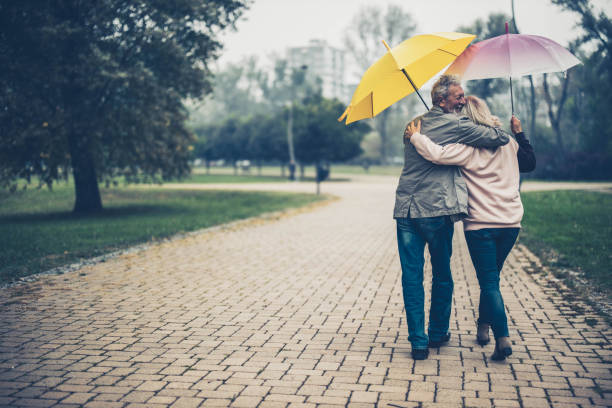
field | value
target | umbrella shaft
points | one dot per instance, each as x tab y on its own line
511	97
415	88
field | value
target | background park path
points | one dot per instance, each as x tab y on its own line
299	309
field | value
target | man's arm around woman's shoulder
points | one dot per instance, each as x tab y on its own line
469	133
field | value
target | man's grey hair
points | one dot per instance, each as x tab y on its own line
440	90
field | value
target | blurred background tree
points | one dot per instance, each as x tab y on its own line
319	139
363	42
566	115
97	88
592	98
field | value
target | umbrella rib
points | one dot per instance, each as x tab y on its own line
550	54
372	103
417	53
448	52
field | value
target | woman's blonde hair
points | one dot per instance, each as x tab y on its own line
477	110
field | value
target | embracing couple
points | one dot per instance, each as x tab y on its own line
459	165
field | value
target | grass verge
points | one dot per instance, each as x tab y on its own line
202	178
38	231
391	170
571	230
229	178
338	171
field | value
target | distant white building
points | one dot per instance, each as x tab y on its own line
325	62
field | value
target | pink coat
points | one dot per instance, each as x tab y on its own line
491	176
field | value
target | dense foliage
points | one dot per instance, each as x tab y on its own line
96	88
566	115
262	138
579	105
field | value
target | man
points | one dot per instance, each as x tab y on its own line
429	199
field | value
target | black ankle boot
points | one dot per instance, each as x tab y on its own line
439	343
484	340
501	354
420	354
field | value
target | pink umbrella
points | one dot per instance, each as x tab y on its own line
512	55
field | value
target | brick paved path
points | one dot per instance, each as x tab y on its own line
300	310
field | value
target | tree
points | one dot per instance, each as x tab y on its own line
594	77
97	87
268	142
204	146
363	42
321	138
228	140
555	113
236	90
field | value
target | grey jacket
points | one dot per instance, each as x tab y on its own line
429	190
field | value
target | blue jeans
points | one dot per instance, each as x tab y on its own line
489	248
412	234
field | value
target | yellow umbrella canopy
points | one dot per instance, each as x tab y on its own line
402	70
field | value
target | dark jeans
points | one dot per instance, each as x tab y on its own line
412	234
489	248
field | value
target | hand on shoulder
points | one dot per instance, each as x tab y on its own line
412	128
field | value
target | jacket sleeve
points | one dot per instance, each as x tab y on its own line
525	154
471	134
451	154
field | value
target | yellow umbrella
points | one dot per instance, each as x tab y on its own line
403	70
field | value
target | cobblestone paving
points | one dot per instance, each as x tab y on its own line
300	310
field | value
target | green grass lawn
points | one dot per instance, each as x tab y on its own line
372	170
577	226
38	231
338	171
230	178
214	177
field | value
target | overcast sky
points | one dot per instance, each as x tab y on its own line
273	25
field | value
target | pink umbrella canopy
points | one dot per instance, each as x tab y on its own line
512	55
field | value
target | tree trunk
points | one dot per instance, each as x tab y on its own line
86	187
555	118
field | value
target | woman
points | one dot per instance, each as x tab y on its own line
494	206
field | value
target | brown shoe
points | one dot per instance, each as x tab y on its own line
482	334
502	349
